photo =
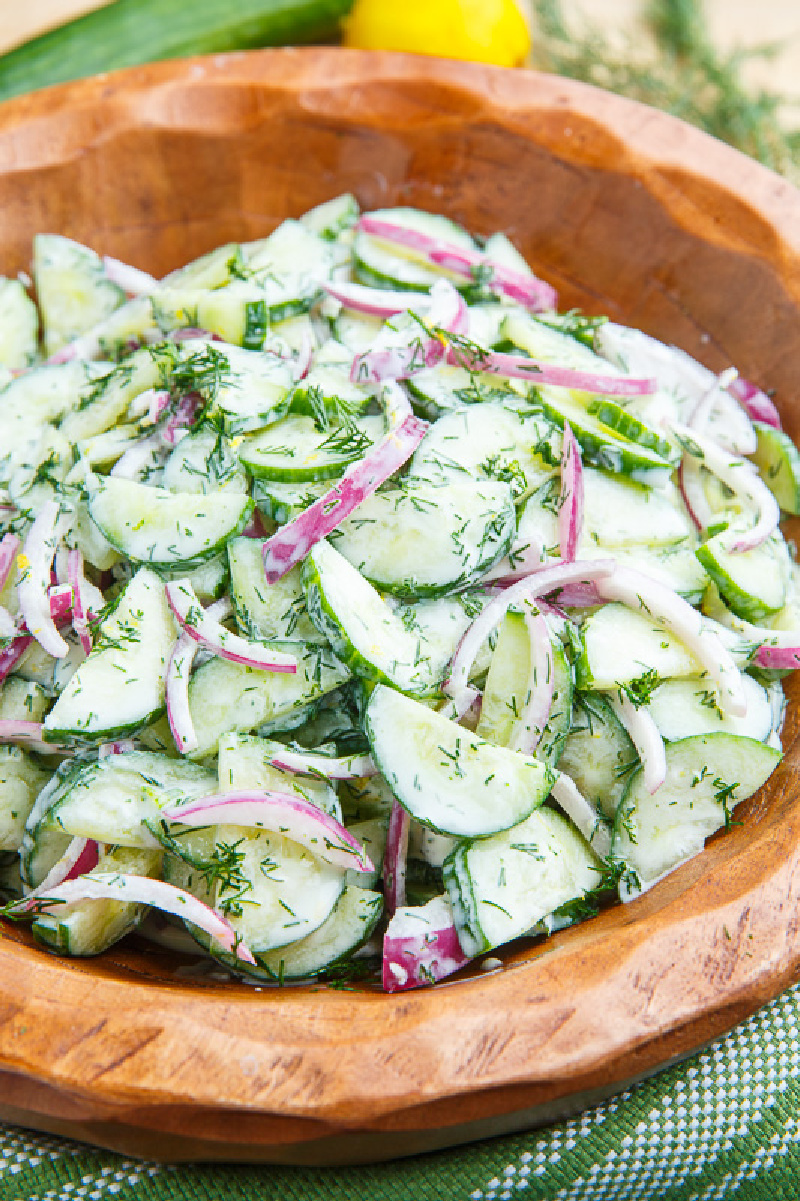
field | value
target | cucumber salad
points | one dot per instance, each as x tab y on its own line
360	611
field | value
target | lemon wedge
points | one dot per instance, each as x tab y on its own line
488	31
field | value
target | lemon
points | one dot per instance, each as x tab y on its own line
488	31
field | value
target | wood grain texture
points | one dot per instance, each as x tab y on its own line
625	211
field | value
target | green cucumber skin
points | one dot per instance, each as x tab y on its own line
129	32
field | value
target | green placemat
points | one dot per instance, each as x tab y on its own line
725	1123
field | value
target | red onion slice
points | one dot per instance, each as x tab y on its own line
541	583
210	633
130	279
421	946
292	542
570	501
582	814
179	669
139	458
518	366
690	482
699	416
394	858
80	587
741	477
779	658
645	736
9	549
670	611
282	813
137	890
525	289
377	302
306	763
756	404
122	746
389	359
27	734
541	686
35	564
81	856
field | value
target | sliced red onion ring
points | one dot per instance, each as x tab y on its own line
525	289
142	457
570	501
282	813
421	946
742	478
690	482
670	611
376	302
8	626
81	856
9	549
645	736
518	366
541	685
392	360
130	279
60	600
756	404
11	655
292	542
210	633
779	658
394	858
35	563
582	814
305	356
454	708
306	763
149	405
184	416
179	669
698	419
122	746
80	615
27	734
137	890
541	583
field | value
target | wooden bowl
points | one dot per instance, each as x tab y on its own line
627	212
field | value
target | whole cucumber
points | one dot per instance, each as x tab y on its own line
129	32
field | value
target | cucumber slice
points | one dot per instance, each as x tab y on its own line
439	390
609	437
387	265
252	390
281	502
19	326
754	583
237	313
296	450
105	402
598	754
212	270
21	781
244	763
447	777
326	391
543	340
225	696
271	612
684	708
351	922
489	441
280	892
333	217
619	646
424	541
674	564
122	685
290	265
23	700
118	800
778	462
360	627
204	462
73	290
501	887
44	843
91	927
507	691
707	776
162	528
